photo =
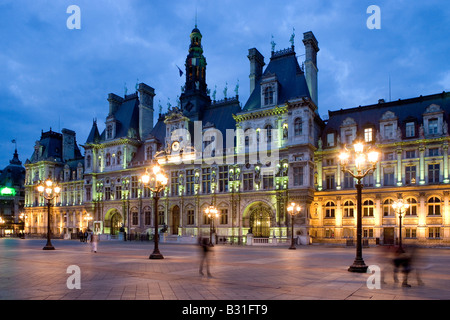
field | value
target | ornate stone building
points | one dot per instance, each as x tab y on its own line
250	160
412	138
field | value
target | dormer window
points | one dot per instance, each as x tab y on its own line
410	129
268	96
330	140
388	131
368	134
109	131
433	126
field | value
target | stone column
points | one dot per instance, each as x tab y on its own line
422	164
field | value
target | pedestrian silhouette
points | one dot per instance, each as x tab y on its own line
94	242
205	249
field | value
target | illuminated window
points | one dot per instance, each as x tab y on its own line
368	134
387	207
330	209
412	209
224	216
434	206
349	208
410	174
368	208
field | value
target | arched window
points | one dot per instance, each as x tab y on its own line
119	157
349	208
329	209
108	159
387	207
412	209
298	126
368	208
434	206
268	133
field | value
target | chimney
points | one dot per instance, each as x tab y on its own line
146	94
114	103
68	144
311	49
256	67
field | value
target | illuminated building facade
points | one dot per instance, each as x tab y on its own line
250	160
412	137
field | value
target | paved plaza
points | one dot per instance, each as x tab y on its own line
122	271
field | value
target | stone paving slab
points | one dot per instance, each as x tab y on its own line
122	271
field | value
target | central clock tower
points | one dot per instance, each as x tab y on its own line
195	96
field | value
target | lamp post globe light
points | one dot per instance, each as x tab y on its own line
156	181
400	207
293	210
49	191
365	162
211	212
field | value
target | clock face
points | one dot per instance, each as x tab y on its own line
175	146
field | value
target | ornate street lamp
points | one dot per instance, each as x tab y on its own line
211	212
293	210
400	207
362	158
49	190
156	181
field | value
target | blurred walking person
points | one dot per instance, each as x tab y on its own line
94	242
205	252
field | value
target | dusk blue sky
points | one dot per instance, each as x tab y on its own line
55	77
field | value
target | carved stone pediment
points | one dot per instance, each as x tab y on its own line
388	115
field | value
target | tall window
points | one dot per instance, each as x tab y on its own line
298	127
108	160
330	208
434	206
161	215
433	173
224	216
118	192
190	216
368	208
268	134
388	176
368	180
174	184
410	174
298	176
329	181
147	216
349	208
268	181
348	180
387	207
412	209
134	187
433	126
248	181
268	96
206	180
348	136
368	134
109	132
135	218
108	193
223	178
88	161
410	130
330	139
190	182
388	131
410	154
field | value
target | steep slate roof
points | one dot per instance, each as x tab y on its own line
404	110
126	116
94	135
291	79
